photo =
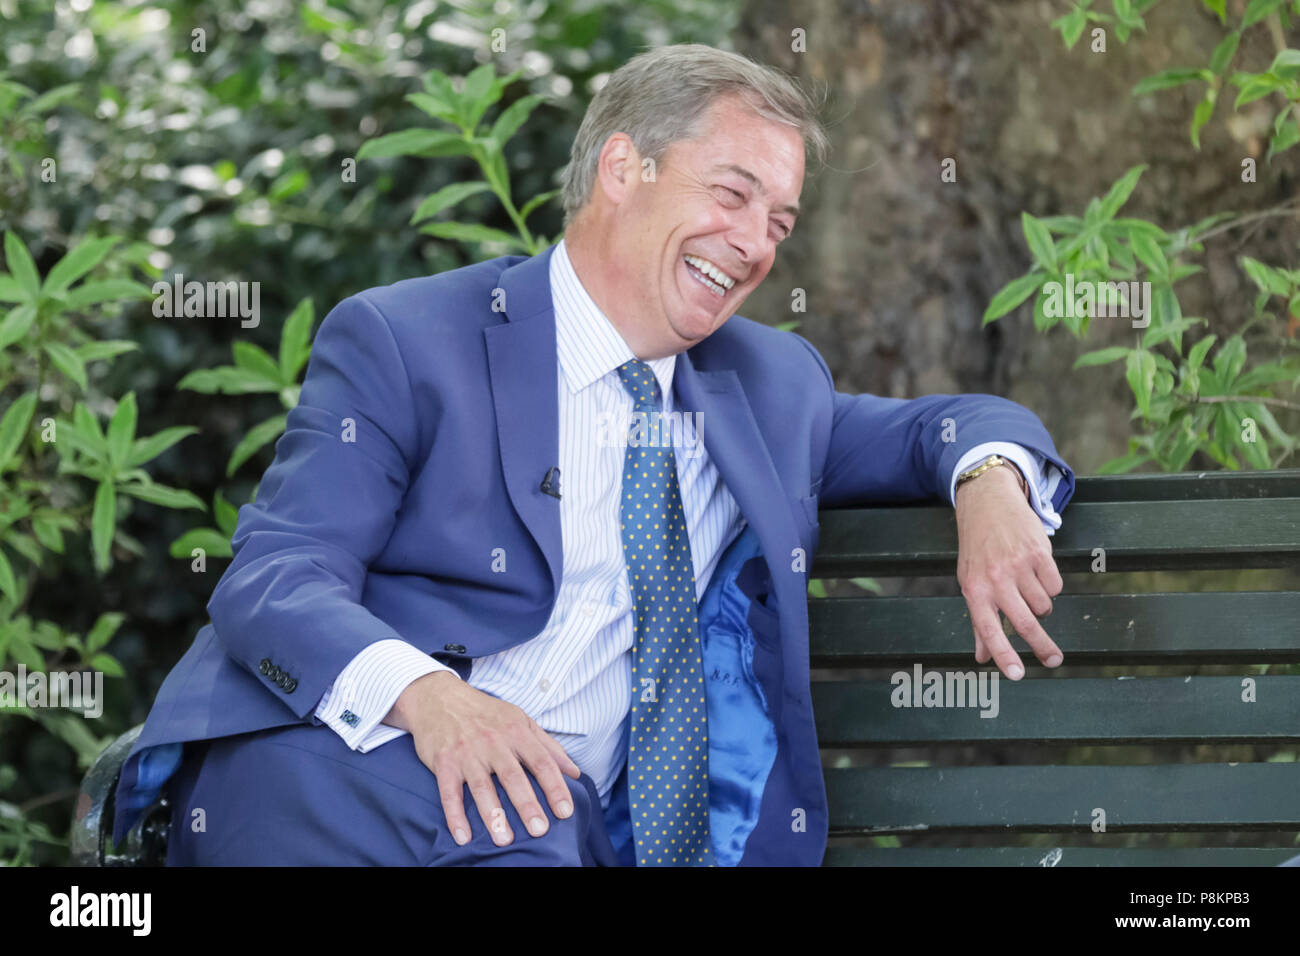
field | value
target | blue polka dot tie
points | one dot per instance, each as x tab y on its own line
668	750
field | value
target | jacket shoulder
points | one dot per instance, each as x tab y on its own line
454	300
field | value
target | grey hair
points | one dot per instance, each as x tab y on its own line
659	97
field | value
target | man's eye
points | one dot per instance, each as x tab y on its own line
732	193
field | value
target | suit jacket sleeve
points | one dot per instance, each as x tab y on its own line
325	509
894	449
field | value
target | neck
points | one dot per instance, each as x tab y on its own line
584	244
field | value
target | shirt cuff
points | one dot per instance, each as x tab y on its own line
366	690
1040	474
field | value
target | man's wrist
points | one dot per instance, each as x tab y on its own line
1006	472
402	714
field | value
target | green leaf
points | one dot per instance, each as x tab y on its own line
1256	88
16	324
483	88
1071	26
22	266
1267	278
1222	56
1257	10
11	290
1119	193
1284	138
447	197
1039	241
287	185
121	429
471	232
1229	360
1012	294
110	290
1196	355
1201	115
108	665
436	107
1286	65
102	524
163	495
513	117
8	584
414	142
1101	356
1217	7
147	449
48	533
536	201
77	262
67	362
295	340
105	627
213	543
1149	252
228	380
1140	370
1168	79
106	349
13	426
253	358
226	514
1262	376
22	650
258	436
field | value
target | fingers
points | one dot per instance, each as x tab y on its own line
1012	604
489	808
546	766
522	798
450	785
988	631
560	754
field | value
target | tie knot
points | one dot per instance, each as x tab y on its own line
640	382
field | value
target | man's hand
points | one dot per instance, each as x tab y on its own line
464	736
1004	562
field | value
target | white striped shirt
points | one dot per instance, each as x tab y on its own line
574	678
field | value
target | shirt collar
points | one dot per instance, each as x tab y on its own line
586	342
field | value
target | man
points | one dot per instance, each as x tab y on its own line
463	625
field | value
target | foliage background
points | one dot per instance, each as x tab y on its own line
225	165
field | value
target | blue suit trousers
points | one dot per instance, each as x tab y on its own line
298	796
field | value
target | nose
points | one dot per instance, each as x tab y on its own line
749	234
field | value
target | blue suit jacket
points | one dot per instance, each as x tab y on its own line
426	423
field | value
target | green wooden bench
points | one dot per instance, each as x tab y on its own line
1192	521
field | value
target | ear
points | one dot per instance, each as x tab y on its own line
617	168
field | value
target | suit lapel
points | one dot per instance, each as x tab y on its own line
740	453
522	367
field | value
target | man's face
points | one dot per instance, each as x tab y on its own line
720	203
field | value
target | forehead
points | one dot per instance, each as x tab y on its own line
735	139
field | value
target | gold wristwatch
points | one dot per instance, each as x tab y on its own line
992	461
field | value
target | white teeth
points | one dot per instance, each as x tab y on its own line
712	271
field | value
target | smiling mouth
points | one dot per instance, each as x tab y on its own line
709	275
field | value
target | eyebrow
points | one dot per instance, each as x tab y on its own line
754	181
